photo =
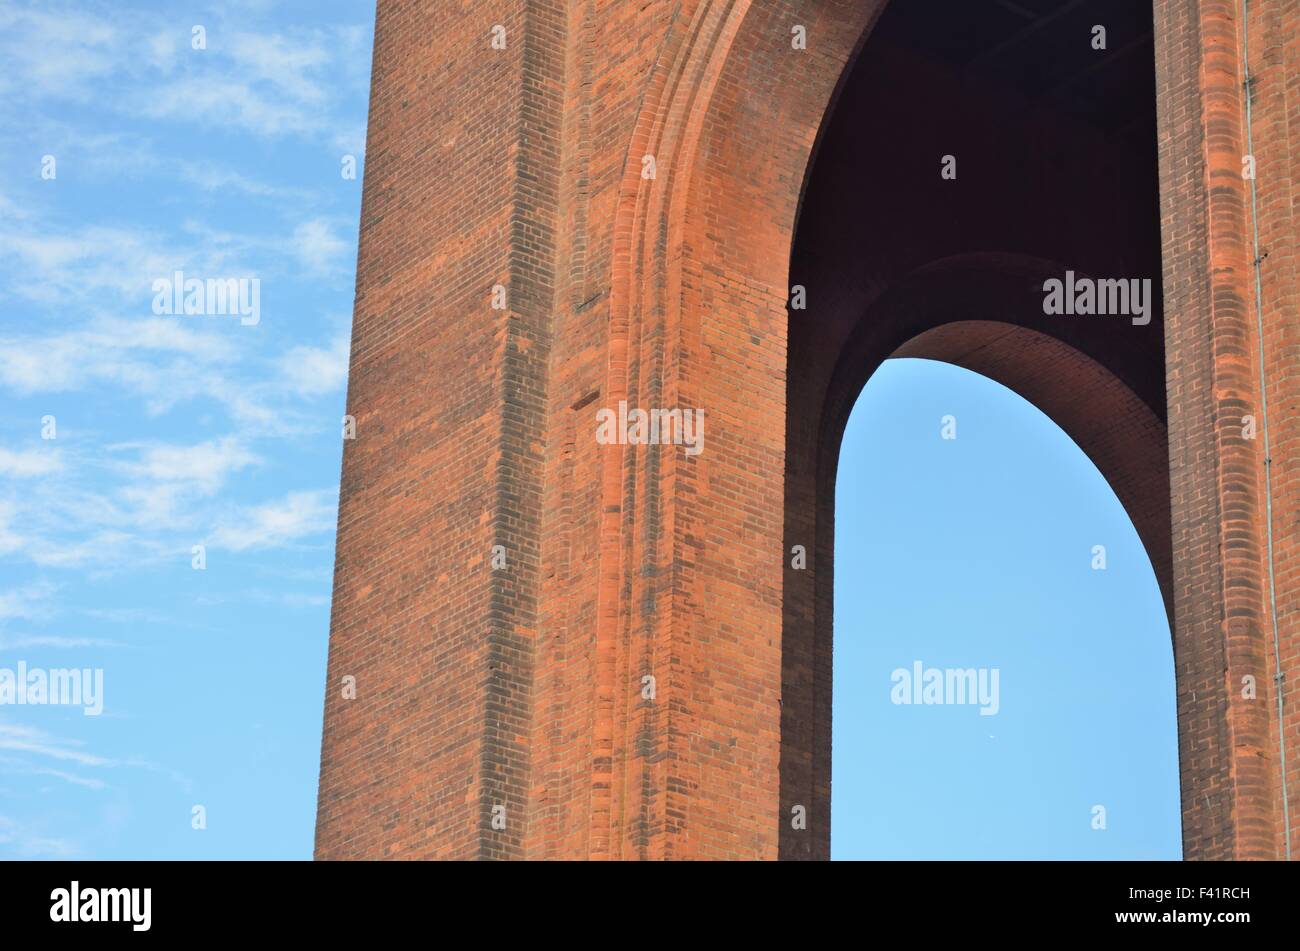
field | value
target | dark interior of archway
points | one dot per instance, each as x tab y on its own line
1055	149
1056	156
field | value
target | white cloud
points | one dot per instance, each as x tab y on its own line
164	360
58	643
9	539
227	102
297	515
21	739
70	778
150	502
102	549
163	47
55	54
86	263
203	467
313	371
166	478
85	269
318	247
282	62
217	178
11	210
124	615
28	464
26	602
112	157
30	845
267	83
57	524
26	739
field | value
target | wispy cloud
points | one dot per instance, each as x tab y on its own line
100	550
202	467
10	540
313	371
31	742
28	844
103	352
71	778
29	463
84	264
161	360
22	739
115	157
166	477
12	643
132	504
296	516
56	53
27	602
266	83
319	247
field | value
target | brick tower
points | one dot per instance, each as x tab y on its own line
551	642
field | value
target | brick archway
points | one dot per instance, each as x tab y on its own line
708	278
633	175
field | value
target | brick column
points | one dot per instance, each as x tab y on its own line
1227	747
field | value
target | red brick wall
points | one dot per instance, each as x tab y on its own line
1223	631
1274	55
446	392
521	688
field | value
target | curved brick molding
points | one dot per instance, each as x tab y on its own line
573	206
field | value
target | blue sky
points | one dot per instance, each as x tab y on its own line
977	552
225	162
176	431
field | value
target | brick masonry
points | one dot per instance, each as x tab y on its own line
500	711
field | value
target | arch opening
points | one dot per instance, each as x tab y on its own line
1003	671
971	154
